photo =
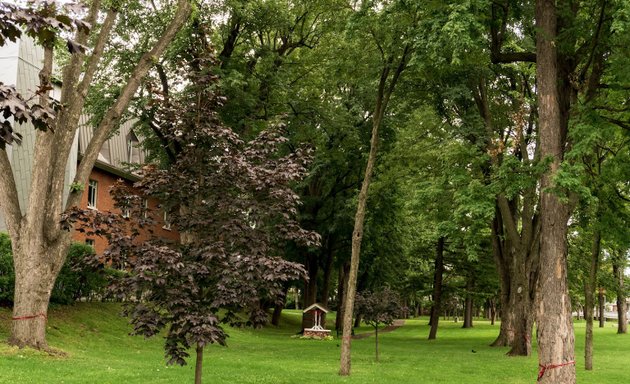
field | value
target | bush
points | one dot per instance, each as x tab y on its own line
76	279
7	275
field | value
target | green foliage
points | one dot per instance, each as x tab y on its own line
77	280
7	274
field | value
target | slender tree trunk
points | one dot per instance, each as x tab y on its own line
589	293
601	299
506	330
376	341
328	266
468	304
556	355
382	99
493	311
342	283
199	364
278	307
357	237
310	289
357	321
622	321
437	288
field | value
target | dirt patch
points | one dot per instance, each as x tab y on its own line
397	324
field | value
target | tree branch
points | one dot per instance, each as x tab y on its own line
43	153
113	115
508	219
9	201
73	98
496	39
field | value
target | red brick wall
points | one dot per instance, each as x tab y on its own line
105	202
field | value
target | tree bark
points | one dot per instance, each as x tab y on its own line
468	304
556	356
601	299
342	283
34	281
589	300
199	364
437	288
278	307
376	341
622	321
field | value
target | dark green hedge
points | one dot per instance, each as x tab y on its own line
76	280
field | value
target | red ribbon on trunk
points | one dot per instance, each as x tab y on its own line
16	318
545	368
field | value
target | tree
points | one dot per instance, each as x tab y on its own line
40	241
395	47
234	208
556	354
379	307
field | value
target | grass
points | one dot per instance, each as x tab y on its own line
99	350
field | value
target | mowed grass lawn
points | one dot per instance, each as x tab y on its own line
99	350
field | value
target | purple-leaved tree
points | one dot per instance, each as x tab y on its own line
378	308
233	205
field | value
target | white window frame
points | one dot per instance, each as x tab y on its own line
167	223
92	198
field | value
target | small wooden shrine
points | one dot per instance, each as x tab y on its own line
315	316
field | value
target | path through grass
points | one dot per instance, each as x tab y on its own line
100	351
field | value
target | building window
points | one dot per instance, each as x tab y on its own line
92	194
90	242
167	222
133	152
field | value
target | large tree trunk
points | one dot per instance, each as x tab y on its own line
521	305
34	280
556	356
622	321
310	288
589	299
437	288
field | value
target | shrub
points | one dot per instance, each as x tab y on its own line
7	275
76	279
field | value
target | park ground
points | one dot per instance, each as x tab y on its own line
98	349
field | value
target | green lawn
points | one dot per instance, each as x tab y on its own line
100	351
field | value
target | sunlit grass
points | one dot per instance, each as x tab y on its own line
99	350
